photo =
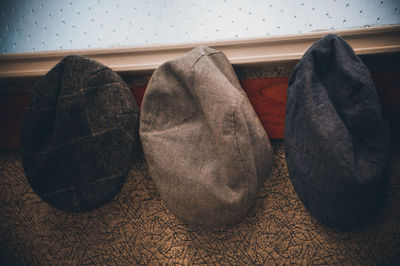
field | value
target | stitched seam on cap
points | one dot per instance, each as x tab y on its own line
203	55
234	124
238	150
154	118
89	88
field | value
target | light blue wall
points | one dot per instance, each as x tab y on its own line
28	25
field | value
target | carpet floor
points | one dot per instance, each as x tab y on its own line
137	228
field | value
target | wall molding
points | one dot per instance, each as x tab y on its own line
373	40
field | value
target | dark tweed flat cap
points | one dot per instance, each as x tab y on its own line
78	135
204	144
336	140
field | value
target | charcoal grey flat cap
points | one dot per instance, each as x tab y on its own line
336	140
78	135
203	142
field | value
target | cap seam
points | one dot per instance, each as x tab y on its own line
238	149
204	55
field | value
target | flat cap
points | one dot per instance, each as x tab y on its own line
203	142
336	139
78	135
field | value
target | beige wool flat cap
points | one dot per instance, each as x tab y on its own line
205	147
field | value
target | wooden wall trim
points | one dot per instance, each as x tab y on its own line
240	52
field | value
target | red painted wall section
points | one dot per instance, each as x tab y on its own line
138	93
267	95
388	86
12	108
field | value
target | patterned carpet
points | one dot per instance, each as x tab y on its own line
136	227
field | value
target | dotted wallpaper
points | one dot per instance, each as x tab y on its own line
33	25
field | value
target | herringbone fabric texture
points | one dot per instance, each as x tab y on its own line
203	142
336	139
